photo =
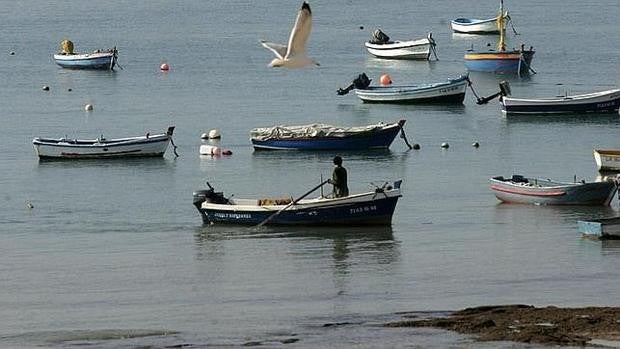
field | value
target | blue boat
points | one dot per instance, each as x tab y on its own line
326	137
602	228
514	61
371	208
501	60
99	59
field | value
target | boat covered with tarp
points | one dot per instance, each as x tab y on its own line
325	137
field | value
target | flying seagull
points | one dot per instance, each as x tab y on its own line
293	55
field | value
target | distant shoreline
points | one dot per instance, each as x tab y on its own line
528	324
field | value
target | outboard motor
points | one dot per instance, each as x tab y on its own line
504	88
379	37
360	83
209	195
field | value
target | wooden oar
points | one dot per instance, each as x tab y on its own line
291	204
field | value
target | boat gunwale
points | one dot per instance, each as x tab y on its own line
304	204
399	45
457	82
576	98
77	143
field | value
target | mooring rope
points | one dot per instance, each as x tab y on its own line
174	149
404	137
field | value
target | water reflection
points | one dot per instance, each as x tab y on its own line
560	214
610	247
272	158
473	37
153	163
576	118
376	242
397	64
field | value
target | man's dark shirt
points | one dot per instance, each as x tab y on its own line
339	180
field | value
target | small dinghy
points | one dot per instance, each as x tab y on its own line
98	59
475	26
326	137
102	148
540	191
601	228
382	47
370	208
607	159
451	91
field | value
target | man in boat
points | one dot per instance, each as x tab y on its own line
339	179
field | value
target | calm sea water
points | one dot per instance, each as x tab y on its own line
114	255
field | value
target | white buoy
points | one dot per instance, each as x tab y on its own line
204	136
88	107
445	145
215	134
207	149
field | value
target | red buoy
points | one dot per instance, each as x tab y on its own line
164	67
385	80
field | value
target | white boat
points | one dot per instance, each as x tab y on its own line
98	59
141	146
475	26
607	160
597	102
446	92
540	191
382	47
482	26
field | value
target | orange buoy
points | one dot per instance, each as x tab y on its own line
385	80
164	67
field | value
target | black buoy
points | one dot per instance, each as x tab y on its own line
416	146
69	89
361	27
475	144
445	145
46	88
12	53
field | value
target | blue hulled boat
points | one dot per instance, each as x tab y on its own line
371	208
325	137
501	60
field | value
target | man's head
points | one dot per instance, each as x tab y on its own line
337	160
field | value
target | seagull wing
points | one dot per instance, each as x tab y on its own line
300	32
278	49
